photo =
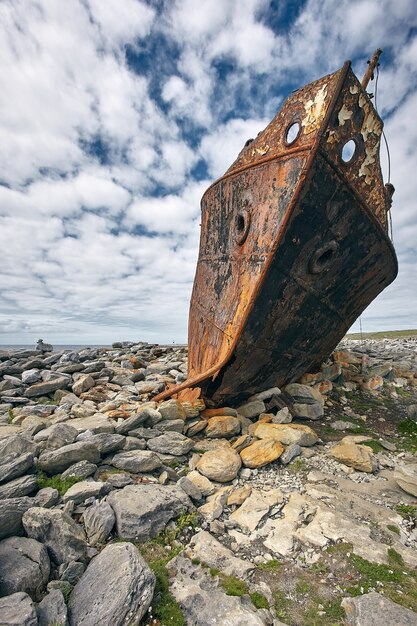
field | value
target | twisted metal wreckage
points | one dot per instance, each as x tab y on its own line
294	243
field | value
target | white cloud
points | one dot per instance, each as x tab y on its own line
95	151
221	147
122	22
170	213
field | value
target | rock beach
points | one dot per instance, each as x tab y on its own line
302	488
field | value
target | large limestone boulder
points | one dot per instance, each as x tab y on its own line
24	567
406	477
202	483
221	465
17	610
374	609
56	461
11	512
203	601
287	433
255	508
137	461
116	589
355	455
261	453
63	537
142	511
204	547
83	383
98	522
223	426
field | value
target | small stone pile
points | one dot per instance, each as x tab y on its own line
131	466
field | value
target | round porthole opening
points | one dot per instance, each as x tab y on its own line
321	260
242	224
292	133
348	151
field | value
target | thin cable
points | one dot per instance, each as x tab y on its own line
391	234
383	132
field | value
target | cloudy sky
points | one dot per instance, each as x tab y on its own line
115	116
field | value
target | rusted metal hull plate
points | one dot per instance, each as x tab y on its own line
293	245
299	317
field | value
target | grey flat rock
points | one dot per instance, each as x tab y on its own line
56	461
204	547
116	589
53	610
81	470
15	445
107	442
99	520
373	609
203	601
171	443
11	512
83	490
137	461
17	610
19	487
132	422
45	388
142	511
24	567
15	467
64	538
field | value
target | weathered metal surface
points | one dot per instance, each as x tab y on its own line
293	244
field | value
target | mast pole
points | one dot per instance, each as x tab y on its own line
372	65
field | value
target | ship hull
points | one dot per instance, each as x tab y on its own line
293	245
332	260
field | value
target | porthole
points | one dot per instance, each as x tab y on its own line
322	259
242	225
348	151
292	133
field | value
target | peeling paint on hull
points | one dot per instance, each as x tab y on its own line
293	245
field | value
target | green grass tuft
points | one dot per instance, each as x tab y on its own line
56	483
270	566
373	572
298	466
395	558
374	445
186	520
408	429
165	607
259	601
282	605
393	529
233	586
303	586
407	511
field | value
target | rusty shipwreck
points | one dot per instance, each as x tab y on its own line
294	243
